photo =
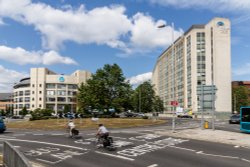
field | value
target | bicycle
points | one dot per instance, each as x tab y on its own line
105	142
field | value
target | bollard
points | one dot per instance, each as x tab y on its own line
206	125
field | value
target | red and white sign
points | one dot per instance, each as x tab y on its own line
174	103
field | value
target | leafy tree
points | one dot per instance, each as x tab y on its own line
240	94
24	111
143	98
106	89
66	108
158	104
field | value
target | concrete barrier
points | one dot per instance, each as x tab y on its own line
13	158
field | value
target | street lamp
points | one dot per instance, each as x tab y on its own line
173	70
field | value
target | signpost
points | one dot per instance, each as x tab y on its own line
206	95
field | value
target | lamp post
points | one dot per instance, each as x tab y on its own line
173	71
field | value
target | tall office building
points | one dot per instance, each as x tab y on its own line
46	89
201	56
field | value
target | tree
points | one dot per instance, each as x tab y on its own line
158	104
106	89
240	94
143	98
24	111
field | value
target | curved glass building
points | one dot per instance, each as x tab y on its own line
46	89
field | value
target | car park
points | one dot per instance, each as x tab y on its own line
234	119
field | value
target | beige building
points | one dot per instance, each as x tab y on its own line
201	56
46	89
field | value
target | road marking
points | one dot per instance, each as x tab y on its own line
154	165
223	156
49	162
119	137
117	156
236	146
245	160
38	134
19	134
182	148
32	141
58	134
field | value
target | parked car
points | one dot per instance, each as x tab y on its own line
234	119
2	125
184	116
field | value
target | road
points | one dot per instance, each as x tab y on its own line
136	147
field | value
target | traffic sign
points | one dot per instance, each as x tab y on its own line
174	103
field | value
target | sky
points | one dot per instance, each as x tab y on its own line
69	35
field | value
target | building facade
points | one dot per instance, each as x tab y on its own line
6	101
201	56
46	89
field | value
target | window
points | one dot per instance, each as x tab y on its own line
50	92
40	105
33	92
33	85
40	92
61	86
40	99
20	93
26	99
50	86
27	93
51	99
61	99
61	92
40	85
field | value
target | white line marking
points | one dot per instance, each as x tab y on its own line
236	146
223	156
19	134
50	162
154	165
245	160
59	134
119	137
117	156
39	134
182	148
31	141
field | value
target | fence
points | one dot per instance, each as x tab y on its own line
13	158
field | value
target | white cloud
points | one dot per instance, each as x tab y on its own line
21	56
147	35
8	78
242	70
136	80
102	25
214	5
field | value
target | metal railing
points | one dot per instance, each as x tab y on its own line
13	158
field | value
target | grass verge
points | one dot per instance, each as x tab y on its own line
87	123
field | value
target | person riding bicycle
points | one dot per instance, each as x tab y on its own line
102	132
71	126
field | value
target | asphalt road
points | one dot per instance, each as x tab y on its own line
136	147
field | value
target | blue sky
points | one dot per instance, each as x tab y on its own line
66	35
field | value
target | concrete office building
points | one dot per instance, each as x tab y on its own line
46	89
201	56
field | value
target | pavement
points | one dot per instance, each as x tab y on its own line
218	136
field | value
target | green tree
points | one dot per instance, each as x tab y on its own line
24	111
239	97
106	89
158	104
144	98
66	108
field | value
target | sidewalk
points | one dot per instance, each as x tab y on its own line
218	136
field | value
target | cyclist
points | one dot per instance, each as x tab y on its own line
71	126
102	132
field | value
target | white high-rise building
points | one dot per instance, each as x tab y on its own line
201	56
46	89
